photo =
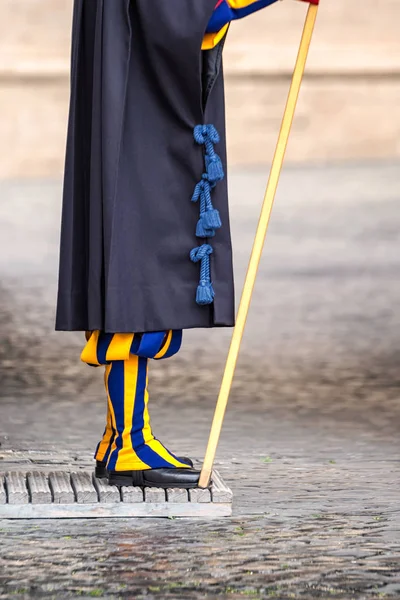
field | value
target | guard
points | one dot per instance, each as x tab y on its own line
145	240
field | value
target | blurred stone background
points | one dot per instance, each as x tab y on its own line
349	107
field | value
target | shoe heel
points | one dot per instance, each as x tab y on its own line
100	473
120	480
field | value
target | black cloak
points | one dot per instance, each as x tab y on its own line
140	84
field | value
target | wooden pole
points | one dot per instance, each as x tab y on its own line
258	246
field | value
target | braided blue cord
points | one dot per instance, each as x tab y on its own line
202	133
205	291
208	136
209	220
209	216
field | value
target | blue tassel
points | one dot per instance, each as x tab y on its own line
215	170
211	219
202	231
205	294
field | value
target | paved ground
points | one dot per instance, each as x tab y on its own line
311	441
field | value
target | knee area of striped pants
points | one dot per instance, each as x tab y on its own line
103	348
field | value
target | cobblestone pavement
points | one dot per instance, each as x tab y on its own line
310	445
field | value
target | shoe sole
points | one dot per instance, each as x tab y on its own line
102	473
127	482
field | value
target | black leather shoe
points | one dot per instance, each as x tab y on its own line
101	472
160	478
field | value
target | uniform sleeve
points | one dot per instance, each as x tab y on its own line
226	11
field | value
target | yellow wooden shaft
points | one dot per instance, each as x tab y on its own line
258	246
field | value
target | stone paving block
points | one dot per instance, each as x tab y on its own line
61	488
200	496
106	493
177	495
132	495
82	484
3	495
220	491
154	495
17	491
38	487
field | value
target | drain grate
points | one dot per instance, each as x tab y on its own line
78	494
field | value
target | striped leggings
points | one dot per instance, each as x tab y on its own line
128	442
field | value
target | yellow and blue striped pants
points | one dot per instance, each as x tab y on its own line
128	442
